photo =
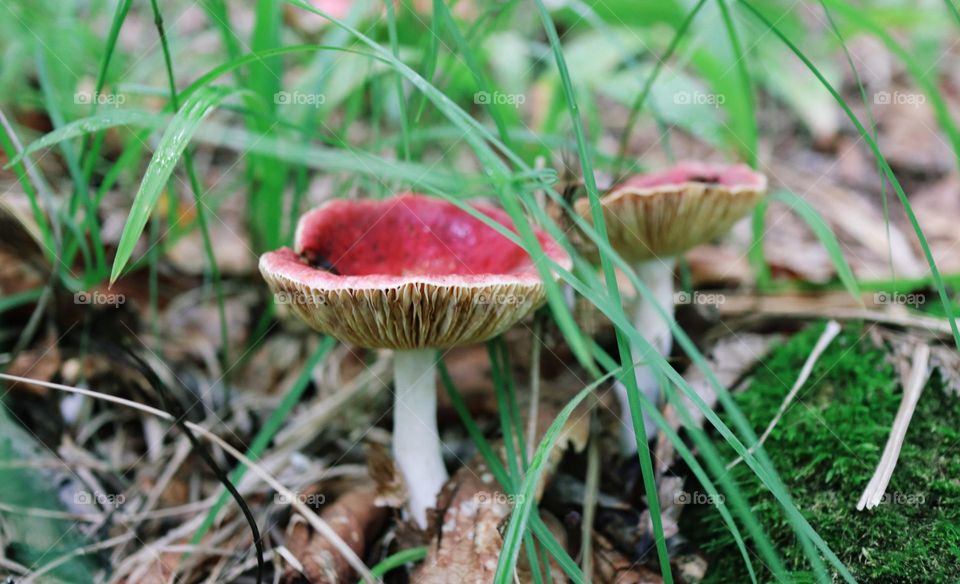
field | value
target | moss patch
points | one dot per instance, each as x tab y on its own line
826	448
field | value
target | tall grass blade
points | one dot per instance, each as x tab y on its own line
172	144
937	278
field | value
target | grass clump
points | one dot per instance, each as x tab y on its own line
826	447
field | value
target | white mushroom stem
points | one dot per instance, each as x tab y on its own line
416	440
657	275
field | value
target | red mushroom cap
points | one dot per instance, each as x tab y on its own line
665	213
407	272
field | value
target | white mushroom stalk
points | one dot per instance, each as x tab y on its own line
416	438
657	276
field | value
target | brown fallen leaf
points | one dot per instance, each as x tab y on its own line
41	362
723	265
391	490
909	133
467	547
355	517
937	208
857	220
612	567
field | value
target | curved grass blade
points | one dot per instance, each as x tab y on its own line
935	272
171	146
396	560
197	195
861	18
401	98
634	114
512	436
119	17
282	149
506	481
48	89
90	125
740	63
757	259
884	195
525	495
953	10
708	452
643	448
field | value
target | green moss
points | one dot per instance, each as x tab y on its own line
826	448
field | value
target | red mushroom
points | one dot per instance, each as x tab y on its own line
413	274
651	219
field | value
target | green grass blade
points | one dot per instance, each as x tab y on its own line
643	448
525	496
48	231
430	56
512	441
119	17
396	560
506	481
200	206
938	279
401	98
708	452
641	99
219	15
952	10
873	127
88	125
96	264
861	18
164	159
473	63
748	117
267	178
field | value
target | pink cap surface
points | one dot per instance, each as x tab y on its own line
737	176
407	272
665	213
